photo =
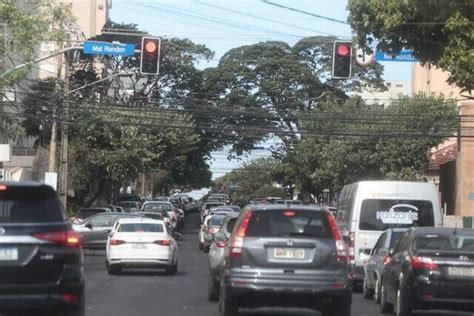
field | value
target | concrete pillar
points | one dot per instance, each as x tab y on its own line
465	162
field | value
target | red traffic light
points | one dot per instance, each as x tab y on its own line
343	50
150	56
150	46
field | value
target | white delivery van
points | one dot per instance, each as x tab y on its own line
367	208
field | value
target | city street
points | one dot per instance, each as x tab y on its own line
138	292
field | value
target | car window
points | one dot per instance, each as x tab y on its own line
217	220
103	221
25	205
155	207
83	214
394	238
403	243
231	225
380	243
379	214
140	228
289	223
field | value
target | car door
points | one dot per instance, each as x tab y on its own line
375	259
99	228
395	267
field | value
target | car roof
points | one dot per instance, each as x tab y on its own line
139	220
272	207
442	230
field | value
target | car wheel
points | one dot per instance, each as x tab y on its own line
401	308
201	245
385	307
377	291
206	249
114	270
212	288
227	306
368	293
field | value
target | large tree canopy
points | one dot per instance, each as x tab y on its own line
439	32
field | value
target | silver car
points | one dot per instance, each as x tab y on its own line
216	254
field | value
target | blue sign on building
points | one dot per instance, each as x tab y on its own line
104	48
403	56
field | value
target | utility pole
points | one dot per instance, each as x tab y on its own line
63	173
53	145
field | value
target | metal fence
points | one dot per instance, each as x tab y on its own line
23	151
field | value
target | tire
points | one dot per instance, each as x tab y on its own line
385	307
206	249
339	308
377	291
401	306
368	293
201	245
77	311
114	270
212	288
227	307
172	269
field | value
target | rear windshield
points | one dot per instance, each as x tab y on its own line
210	205
217	220
395	237
380	215
451	241
88	213
141	228
282	223
30	205
155	207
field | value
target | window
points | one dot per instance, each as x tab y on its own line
380	215
217	220
155	207
394	238
231	225
141	228
103	221
83	214
380	243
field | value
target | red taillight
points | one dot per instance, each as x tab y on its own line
340	245
221	244
3	187
289	213
212	230
116	242
387	259
423	263
236	249
164	242
68	238
68	297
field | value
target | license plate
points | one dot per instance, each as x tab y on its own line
8	254
138	246
288	253
461	271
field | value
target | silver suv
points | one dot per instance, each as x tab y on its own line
286	257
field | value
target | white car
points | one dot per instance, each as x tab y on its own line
212	224
141	243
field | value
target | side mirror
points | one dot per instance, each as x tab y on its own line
220	237
383	252
209	237
89	225
107	231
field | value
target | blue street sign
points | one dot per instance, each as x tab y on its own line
403	56
104	48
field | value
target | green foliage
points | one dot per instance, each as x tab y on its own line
440	32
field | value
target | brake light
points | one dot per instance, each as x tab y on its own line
116	242
236	249
341	250
221	244
68	297
423	263
289	213
164	242
3	187
68	238
212	230
387	259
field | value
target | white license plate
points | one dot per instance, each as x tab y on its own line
288	253
139	246
8	253
461	271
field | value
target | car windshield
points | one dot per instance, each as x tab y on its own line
445	241
279	223
216	220
156	207
379	214
212	205
28	205
140	228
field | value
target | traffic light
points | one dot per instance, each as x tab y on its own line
150	56
342	60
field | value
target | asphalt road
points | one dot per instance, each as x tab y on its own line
143	293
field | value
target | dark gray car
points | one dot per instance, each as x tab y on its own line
216	253
286	257
95	229
374	265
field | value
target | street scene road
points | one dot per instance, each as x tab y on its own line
152	292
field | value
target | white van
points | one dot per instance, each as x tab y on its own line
367	208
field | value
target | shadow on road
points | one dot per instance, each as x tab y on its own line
135	272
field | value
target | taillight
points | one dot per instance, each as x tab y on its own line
236	249
387	259
423	263
68	238
221	244
352	246
164	242
116	242
212	230
341	250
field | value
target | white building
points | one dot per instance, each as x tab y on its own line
394	90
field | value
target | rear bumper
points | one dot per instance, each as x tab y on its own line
141	263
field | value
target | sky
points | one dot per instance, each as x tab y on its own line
225	24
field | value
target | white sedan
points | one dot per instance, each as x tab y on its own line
141	243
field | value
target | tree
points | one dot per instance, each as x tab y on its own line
439	32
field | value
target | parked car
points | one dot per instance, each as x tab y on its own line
374	264
141	242
41	259
211	225
216	254
95	229
367	208
162	198
86	212
430	268
130	206
219	197
286	257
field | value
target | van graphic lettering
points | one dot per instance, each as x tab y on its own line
399	214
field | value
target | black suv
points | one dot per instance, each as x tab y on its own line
41	259
286	257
